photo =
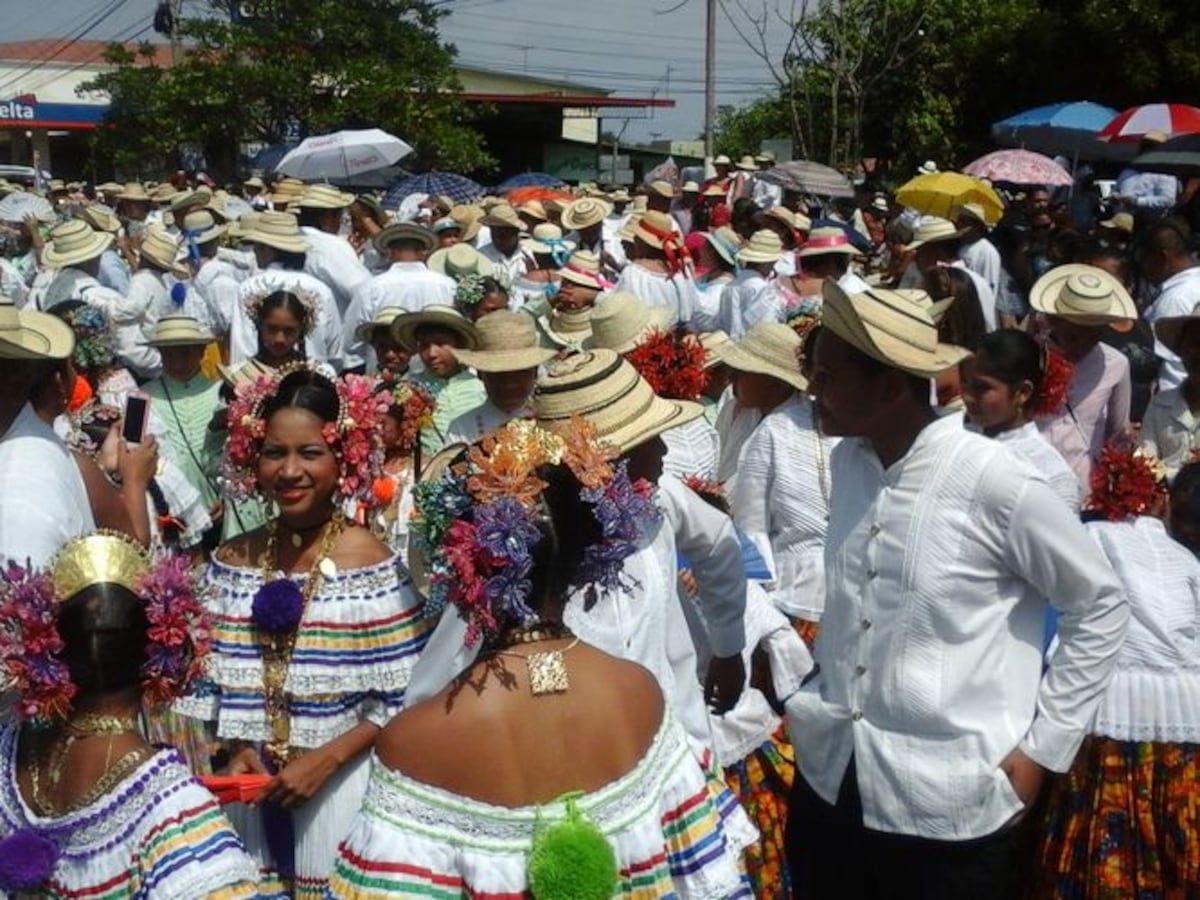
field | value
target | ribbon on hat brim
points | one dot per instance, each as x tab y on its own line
559	252
193	248
679	258
827	243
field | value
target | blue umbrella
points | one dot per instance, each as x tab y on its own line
528	179
458	188
266	159
1062	128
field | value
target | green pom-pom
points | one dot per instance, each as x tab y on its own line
571	860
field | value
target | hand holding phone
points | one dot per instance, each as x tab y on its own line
136	418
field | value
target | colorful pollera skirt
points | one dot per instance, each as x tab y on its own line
1123	824
762	782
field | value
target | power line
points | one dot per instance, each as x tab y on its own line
89	27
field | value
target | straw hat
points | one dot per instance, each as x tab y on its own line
715	343
183	199
716	189
101	218
286	190
445	223
827	239
893	327
726	242
639	204
238	229
568	329
663	188
929	167
404	326
276	229
468	217
164	193
1122	221
459	261
323	196
763	247
546	238
585	212
620	195
110	187
661	224
620	321
502	215
178	331
534	210
508	342
1155	136
383	319
971	211
399	232
769	348
1085	295
747	164
934	229
779	214
201	227
72	242
29	334
689	187
161	248
803	222
722	160
254	182
134	192
626	232
600	386
583	268
1169	329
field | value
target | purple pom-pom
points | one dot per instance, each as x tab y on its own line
277	606
178	293
27	861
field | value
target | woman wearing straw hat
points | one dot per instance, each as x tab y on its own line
506	359
545	252
281	250
661	271
436	334
932	720
781	495
753	296
588	218
1080	303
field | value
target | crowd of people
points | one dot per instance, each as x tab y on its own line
700	540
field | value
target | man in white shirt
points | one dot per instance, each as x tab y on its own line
507	360
1166	260
216	277
1151	191
43	502
504	250
929	726
936	243
407	284
330	257
975	251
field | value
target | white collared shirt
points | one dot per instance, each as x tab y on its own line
748	300
1154	694
483	419
1169	430
410	286
324	341
43	501
510	268
1177	296
693	448
1028	443
676	292
780	500
938	571
331	259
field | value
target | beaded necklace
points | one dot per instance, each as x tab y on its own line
277	648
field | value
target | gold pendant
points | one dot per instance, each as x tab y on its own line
547	673
296	540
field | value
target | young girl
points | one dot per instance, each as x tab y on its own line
411	410
1007	383
1122	821
478	295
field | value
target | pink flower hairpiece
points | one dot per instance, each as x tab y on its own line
356	438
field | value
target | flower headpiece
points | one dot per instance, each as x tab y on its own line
1057	373
416	404
1126	480
478	523
672	362
469	293
94	346
253	301
356	438
178	639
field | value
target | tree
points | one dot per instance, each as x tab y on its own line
306	64
743	129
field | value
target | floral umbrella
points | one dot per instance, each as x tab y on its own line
1019	167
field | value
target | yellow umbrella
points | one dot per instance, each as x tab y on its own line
941	193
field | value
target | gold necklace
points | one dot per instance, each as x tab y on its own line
547	668
94	723
277	648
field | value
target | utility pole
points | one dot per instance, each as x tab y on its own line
710	79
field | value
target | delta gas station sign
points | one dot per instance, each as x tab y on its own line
26	112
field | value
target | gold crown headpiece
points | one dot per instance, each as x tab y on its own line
98	558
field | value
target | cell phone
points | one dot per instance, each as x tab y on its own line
136	418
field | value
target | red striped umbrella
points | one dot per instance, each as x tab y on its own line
1133	124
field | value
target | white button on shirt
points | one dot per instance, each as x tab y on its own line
943	609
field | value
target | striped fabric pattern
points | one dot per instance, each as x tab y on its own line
661	819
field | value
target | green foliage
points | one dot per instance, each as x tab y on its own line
743	129
354	63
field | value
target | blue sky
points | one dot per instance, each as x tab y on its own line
637	48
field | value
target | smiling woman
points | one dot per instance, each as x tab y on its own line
315	625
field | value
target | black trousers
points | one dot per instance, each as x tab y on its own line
832	856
